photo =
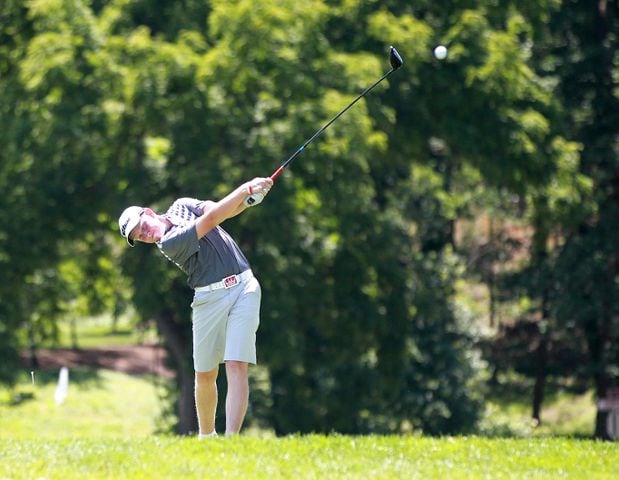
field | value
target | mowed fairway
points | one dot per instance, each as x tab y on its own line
307	457
105	430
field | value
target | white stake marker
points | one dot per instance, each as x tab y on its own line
62	389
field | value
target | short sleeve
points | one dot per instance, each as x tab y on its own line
180	243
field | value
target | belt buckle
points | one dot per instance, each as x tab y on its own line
230	281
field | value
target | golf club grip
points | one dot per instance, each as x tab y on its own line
250	200
277	172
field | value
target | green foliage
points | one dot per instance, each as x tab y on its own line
572	275
589	301
122	102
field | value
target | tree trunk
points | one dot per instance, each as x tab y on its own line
599	344
541	368
540	378
32	347
74	341
176	345
540	255
596	349
601	432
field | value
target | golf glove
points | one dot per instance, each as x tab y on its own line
254	199
257	190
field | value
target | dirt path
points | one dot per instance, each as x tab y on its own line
135	359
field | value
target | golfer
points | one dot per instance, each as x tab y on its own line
226	302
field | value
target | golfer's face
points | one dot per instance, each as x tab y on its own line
149	230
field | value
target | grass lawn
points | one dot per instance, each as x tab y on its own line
100	403
106	429
565	411
313	456
92	332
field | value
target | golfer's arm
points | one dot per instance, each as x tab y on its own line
241	208
216	212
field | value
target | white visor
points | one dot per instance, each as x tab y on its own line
128	221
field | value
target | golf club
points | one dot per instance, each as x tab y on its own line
396	62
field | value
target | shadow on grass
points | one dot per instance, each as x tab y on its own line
513	388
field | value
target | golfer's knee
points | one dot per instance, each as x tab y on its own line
236	369
206	378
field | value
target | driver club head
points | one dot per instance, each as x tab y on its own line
395	59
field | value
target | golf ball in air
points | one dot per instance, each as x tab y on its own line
440	52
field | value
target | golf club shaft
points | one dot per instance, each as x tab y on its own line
396	62
324	127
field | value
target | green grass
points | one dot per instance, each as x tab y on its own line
311	457
105	429
564	414
565	410
100	403
93	332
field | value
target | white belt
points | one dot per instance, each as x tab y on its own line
227	282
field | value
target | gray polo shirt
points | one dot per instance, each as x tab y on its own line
206	260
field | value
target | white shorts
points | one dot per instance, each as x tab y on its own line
225	322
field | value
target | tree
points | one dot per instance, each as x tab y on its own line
52	183
571	274
584	47
115	103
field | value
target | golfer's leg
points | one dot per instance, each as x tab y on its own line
237	396
206	400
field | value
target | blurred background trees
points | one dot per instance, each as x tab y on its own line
495	169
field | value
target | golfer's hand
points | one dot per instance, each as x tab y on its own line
257	189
